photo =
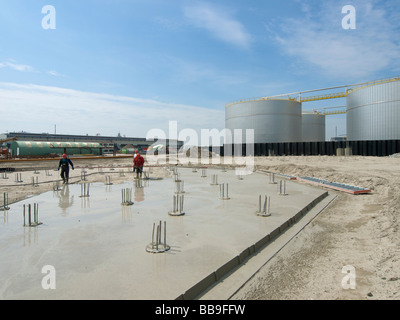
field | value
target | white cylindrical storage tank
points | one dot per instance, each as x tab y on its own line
273	120
313	127
373	112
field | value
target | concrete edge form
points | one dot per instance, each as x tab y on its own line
212	279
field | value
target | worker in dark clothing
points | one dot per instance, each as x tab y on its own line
64	165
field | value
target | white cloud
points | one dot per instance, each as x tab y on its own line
18	67
55	74
38	108
219	22
318	40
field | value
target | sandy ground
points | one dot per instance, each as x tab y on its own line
361	231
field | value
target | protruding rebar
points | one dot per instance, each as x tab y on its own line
157	235
265	210
35	182
203	173
36	213
5	202
282	188
223	191
181	204
177	205
126	197
214	180
152	236
108	180
158	240
18	177
165	233
272	178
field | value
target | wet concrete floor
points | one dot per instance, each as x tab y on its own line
97	246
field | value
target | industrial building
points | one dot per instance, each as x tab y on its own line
45	144
282	126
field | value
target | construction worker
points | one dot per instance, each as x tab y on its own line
64	164
138	162
134	157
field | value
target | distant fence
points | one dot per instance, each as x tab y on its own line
378	148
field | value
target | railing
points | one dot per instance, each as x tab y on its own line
342	94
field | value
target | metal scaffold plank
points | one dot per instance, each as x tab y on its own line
335	185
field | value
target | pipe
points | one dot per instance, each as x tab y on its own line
159	240
165	234
157	235
29	212
152	236
181	204
265	204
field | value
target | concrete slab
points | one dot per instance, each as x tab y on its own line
97	246
231	283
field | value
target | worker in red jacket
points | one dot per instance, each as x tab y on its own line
138	163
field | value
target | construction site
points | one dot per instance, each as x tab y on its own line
308	210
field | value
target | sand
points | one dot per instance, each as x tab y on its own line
355	230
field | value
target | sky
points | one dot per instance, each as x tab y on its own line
130	66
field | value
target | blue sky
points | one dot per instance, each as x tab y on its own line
129	66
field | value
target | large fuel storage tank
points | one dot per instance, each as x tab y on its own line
273	120
313	127
373	112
